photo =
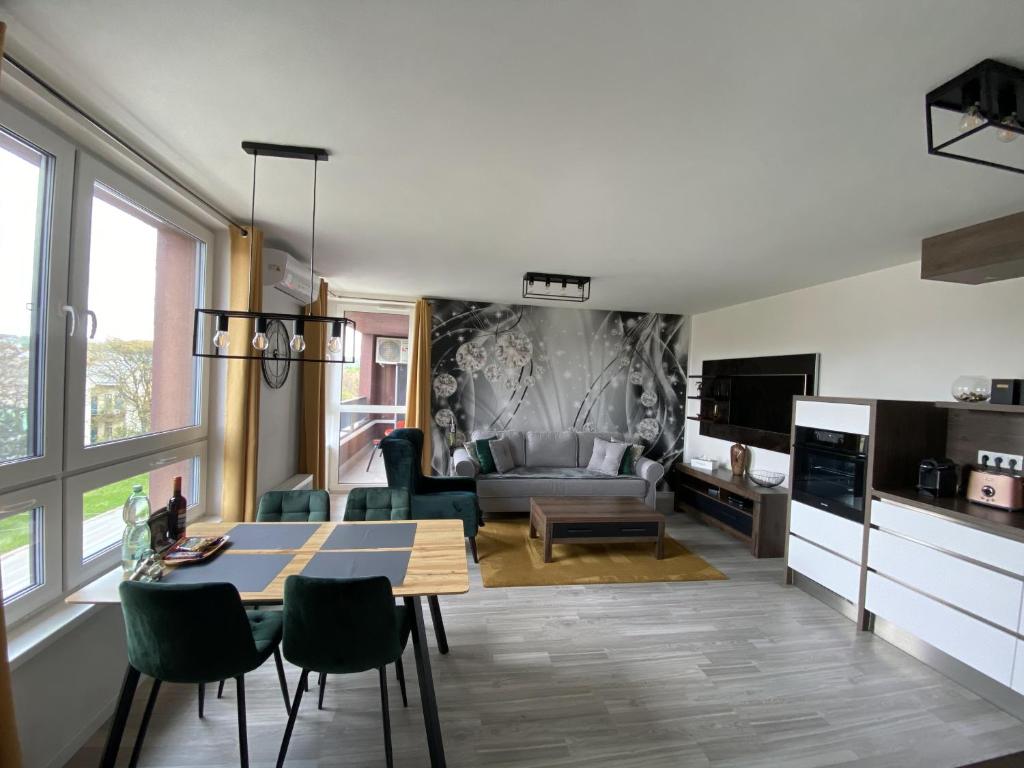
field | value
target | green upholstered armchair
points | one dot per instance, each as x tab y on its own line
294	507
340	627
431	498
377	504
192	633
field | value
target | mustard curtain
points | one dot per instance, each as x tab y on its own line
417	412
10	748
313	424
242	414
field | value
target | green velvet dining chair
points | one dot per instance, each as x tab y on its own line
192	633
304	506
342	627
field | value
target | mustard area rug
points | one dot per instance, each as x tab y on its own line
510	558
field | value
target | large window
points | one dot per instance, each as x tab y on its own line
98	387
26	173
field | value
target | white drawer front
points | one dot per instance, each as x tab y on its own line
835	417
985	593
831	531
979	645
949	534
833	572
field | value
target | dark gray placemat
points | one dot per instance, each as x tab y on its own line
384	536
359	565
271	535
249	573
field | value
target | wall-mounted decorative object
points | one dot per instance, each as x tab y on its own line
336	328
544	285
276	362
976	114
502	366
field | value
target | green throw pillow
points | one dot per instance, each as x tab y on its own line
483	449
629	459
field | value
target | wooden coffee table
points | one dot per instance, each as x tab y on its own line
595	520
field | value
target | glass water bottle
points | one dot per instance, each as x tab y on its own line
136	542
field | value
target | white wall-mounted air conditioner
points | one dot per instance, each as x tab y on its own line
286	273
392	351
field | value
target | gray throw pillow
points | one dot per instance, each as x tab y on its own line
472	451
501	451
607	457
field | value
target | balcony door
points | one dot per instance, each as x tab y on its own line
366	398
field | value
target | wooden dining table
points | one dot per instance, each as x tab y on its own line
432	551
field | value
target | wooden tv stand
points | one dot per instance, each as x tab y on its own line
743	509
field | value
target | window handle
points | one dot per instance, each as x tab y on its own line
69	311
95	323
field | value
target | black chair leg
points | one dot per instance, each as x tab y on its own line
146	714
323	689
202	699
435	617
124	705
220	689
400	670
386	714
291	717
281	678
243	741
472	548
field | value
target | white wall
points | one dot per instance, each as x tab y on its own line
280	411
885	334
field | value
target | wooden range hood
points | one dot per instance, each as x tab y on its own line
981	253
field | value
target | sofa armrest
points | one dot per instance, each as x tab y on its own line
652	472
464	464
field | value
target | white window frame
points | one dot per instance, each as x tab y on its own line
77	572
339	308
47	498
78	456
55	274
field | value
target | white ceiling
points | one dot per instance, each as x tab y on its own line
686	154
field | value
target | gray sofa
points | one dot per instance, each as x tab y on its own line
553	464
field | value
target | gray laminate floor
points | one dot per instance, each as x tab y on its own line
745	672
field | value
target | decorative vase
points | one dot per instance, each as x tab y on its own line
739	457
972	389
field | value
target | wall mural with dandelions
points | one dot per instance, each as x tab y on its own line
507	366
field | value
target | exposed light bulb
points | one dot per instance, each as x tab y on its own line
335	344
972	118
298	342
260	342
1004	134
221	339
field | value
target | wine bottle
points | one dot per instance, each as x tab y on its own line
176	512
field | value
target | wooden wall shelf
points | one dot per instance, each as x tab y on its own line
990	407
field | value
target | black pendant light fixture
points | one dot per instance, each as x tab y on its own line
547	285
219	344
987	105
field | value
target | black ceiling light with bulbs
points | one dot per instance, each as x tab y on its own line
337	328
544	285
988	100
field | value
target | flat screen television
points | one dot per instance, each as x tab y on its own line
750	399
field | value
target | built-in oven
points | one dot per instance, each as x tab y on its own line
830	471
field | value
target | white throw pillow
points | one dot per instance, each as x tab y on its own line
501	452
607	457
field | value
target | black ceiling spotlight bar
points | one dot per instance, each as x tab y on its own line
989	97
336	329
544	285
